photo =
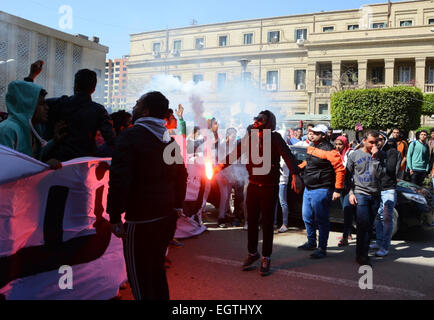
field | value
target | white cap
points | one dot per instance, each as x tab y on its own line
320	128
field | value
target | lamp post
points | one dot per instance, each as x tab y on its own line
244	62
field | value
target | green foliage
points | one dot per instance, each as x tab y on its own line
428	105
379	109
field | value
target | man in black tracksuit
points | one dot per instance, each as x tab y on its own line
263	189
150	190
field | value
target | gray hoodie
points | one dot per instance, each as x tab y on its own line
366	173
156	126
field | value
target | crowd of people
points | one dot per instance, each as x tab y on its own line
362	175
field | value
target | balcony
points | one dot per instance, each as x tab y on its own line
429	88
323	89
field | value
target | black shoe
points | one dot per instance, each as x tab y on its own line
265	266
307	246
221	223
319	254
364	261
250	260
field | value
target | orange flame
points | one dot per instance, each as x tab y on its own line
209	171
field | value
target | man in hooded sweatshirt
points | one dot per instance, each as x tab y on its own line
27	109
150	189
263	189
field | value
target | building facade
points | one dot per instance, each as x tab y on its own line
23	42
116	84
299	60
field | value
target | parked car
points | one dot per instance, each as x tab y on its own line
413	207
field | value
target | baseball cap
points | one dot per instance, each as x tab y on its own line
320	128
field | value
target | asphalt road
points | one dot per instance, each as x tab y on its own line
209	268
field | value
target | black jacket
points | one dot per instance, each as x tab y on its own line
279	148
83	118
141	183
393	166
323	168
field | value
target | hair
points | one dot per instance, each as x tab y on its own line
311	125
169	113
210	122
43	93
421	132
120	119
196	129
298	129
85	81
431	131
372	133
157	104
396	129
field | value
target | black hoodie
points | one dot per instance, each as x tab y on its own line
393	165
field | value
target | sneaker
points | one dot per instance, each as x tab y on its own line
319	254
307	246
250	260
364	261
283	229
381	252
246	226
221	223
265	266
343	242
236	223
374	246
175	243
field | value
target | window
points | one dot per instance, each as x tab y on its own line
431	21
404	75
200	43
326	75
353	27
300	79
156	47
377	75
300	34
116	81
118	63
323	108
221	80
272	80
379	25
407	23
248	38
223	41
197	78
328	29
176	46
124	69
431	75
274	37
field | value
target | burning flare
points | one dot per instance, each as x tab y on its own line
209	171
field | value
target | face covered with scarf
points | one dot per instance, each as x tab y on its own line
265	120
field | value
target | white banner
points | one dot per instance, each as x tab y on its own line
49	219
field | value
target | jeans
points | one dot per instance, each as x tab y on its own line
384	225
349	213
261	201
316	213
225	189
283	199
367	209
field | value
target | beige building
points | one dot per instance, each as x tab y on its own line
22	42
299	60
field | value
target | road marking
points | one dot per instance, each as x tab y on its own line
334	281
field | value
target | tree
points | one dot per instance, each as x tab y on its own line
379	109
428	105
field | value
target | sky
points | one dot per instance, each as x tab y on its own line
113	21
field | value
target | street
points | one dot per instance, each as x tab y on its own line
209	268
